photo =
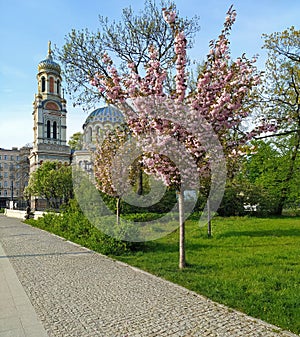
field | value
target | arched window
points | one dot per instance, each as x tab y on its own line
43	84
89	135
57	86
97	134
54	130
51	83
48	129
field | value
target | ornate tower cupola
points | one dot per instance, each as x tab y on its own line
49	115
49	79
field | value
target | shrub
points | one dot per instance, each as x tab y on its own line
74	226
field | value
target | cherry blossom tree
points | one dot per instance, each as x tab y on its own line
184	131
106	173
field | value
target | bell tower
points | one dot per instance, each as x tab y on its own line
49	116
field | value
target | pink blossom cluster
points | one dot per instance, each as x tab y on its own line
109	84
151	84
181	76
169	16
216	105
162	168
110	169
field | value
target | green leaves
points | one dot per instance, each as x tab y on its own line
75	141
51	181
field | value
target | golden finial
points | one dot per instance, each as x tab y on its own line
49	49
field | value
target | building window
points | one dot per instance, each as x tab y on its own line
51	82
48	129
54	130
89	135
5	193
5	184
11	157
5	157
43	84
5	174
57	86
17	158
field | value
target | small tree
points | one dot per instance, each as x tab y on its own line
51	181
157	114
108	170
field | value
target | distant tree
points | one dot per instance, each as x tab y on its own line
127	41
267	170
51	181
281	102
111	170
75	141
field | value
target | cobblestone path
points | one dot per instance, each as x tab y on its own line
77	292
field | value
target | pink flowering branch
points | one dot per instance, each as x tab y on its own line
222	90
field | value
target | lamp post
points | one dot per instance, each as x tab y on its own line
12	190
12	195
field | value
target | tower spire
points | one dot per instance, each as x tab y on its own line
49	49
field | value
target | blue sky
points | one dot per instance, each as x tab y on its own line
26	26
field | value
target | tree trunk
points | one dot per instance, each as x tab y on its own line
209	234
281	202
140	180
118	204
181	230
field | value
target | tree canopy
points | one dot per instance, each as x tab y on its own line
76	141
51	181
127	41
281	102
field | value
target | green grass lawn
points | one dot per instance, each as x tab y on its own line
250	264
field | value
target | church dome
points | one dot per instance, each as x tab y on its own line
107	114
48	64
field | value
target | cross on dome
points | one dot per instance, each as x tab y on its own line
48	64
49	49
